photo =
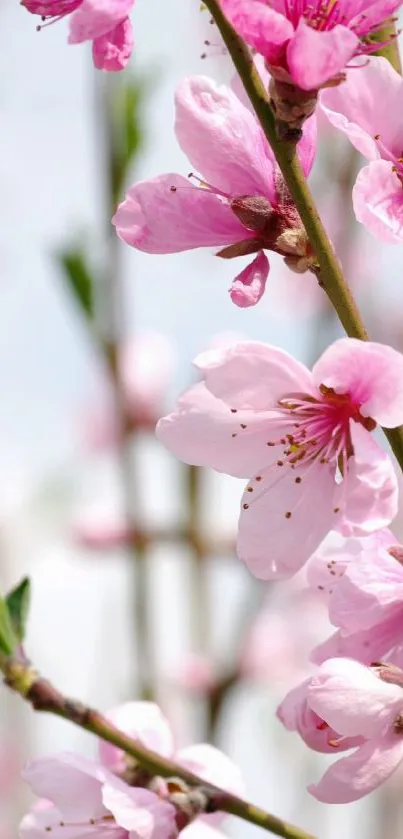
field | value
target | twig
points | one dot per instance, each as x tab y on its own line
43	696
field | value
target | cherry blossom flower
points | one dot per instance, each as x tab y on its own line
366	604
145	722
358	701
296	715
308	44
302	438
240	204
104	22
365	109
85	798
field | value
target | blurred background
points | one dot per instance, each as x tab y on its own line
136	588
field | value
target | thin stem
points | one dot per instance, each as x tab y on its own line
330	275
43	696
112	329
390	51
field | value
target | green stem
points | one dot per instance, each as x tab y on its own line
391	50
43	696
330	275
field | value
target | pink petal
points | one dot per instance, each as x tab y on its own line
156	219
356	775
36	824
97	17
259	25
364	106
368	591
253	375
328	564
145	722
140	811
213	766
248	286
366	646
371	487
205	432
112	51
296	715
371	373
314	57
222	139
71	782
378	201
200	829
369	15
273	543
352	699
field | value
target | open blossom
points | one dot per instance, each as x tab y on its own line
365	109
85	798
239	203
358	701
303	438
308	43
104	22
145	722
366	604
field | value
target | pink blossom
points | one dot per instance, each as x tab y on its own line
144	721
104	22
296	715
365	109
101	529
239	204
366	604
309	43
262	415
355	701
85	798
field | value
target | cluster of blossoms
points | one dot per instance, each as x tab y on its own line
304	440
114	798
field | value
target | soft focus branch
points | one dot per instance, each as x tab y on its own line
43	696
330	275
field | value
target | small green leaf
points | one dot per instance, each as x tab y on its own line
8	638
18	602
78	275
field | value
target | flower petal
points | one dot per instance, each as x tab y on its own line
73	783
371	486
370	589
371	373
140	811
364	107
283	521
97	17
248	287
145	722
213	766
253	375
356	775
259	25
112	51
352	698
203	431
167	214
366	646
314	57
378	201
222	139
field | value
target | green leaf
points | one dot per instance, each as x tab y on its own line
18	602
78	275
8	638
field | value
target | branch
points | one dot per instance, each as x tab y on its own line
43	696
330	275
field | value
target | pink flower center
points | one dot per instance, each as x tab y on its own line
320	428
324	15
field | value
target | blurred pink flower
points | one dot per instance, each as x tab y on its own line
355	701
196	673
365	109
261	414
307	43
100	529
84	796
104	22
146	365
240	203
